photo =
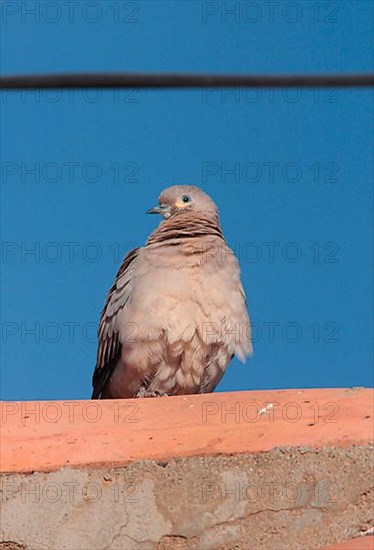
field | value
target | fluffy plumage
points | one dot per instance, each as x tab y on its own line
176	313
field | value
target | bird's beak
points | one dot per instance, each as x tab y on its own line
162	209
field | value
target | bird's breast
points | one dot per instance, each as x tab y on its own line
180	292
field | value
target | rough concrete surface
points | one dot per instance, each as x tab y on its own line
283	499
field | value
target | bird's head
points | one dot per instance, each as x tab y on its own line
183	198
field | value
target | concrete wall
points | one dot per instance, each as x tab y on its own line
196	472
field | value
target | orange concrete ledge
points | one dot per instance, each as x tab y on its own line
46	436
360	543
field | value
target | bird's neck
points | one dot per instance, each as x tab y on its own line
184	226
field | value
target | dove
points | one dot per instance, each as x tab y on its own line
177	313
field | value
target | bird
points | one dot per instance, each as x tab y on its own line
177	313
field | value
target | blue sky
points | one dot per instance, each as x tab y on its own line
291	171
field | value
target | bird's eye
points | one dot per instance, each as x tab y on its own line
186	198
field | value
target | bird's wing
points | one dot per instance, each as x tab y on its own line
109	346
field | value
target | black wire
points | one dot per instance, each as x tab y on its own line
130	80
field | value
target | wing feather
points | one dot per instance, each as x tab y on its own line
109	345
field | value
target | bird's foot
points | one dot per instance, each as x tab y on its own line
144	393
